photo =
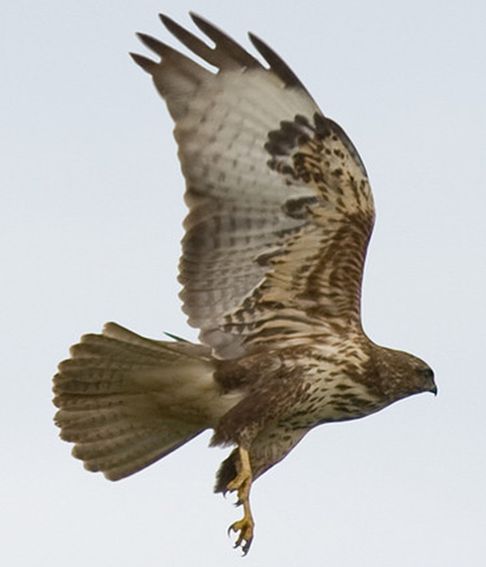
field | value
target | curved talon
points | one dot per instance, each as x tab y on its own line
244	528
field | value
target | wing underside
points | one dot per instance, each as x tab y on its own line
280	209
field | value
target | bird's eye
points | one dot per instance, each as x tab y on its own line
428	372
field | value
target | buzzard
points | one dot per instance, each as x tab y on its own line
280	215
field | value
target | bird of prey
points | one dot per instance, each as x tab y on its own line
280	215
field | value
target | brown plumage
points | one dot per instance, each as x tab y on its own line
280	215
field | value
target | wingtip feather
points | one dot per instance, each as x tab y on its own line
167	21
144	62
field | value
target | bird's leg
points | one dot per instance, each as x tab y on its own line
242	484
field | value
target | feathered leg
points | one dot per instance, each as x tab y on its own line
253	426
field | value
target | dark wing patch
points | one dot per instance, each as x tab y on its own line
321	154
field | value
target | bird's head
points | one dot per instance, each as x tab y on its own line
401	374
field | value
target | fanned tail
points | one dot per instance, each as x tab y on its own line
127	401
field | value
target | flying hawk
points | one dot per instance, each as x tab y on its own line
280	215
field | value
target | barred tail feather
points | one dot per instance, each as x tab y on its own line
127	401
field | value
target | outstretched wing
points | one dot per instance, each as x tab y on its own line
280	209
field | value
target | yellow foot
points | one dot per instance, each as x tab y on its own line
242	484
244	529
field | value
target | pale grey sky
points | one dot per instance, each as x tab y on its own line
91	221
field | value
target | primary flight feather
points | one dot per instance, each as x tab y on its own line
280	215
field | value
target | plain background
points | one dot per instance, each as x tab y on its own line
91	221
